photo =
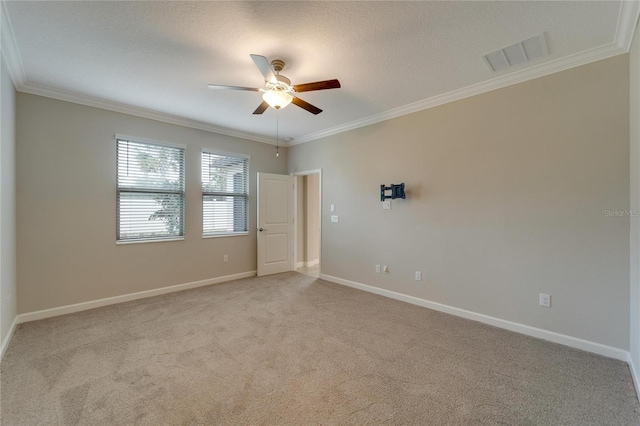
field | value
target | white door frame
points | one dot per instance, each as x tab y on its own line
295	215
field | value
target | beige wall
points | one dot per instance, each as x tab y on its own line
634	82
301	219
66	205
507	193
308	203
8	290
312	220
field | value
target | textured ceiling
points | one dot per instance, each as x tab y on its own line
160	56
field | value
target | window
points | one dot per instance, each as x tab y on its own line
150	193
225	194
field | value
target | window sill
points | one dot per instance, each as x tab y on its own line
156	240
236	234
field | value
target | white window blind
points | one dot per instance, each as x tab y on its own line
150	193
225	194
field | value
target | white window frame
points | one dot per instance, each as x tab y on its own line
226	154
120	137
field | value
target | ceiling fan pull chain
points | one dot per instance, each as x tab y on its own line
277	133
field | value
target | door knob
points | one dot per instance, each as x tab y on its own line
261	229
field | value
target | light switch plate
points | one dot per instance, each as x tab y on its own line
333	207
545	300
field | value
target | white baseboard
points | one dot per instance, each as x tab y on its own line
574	342
634	375
68	309
307	264
7	338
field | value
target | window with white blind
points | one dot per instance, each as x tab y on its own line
225	194
150	192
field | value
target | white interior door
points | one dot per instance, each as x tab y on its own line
275	223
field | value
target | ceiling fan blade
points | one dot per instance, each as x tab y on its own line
306	105
318	85
219	86
265	68
261	108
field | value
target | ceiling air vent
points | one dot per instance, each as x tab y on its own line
526	50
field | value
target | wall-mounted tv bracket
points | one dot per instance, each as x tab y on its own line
397	191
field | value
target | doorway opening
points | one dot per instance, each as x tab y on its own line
308	222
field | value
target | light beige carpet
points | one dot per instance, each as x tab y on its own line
290	349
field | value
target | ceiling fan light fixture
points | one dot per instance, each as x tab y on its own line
277	98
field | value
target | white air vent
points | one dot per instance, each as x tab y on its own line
526	50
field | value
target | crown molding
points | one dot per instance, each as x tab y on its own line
9	48
521	76
91	101
627	20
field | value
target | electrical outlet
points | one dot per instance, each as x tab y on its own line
225	258
545	300
335	218
377	269
418	276
386	205
333	207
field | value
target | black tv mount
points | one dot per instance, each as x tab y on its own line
397	191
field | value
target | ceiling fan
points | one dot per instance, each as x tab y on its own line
278	91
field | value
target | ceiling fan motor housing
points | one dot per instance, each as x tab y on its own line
283	84
282	80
